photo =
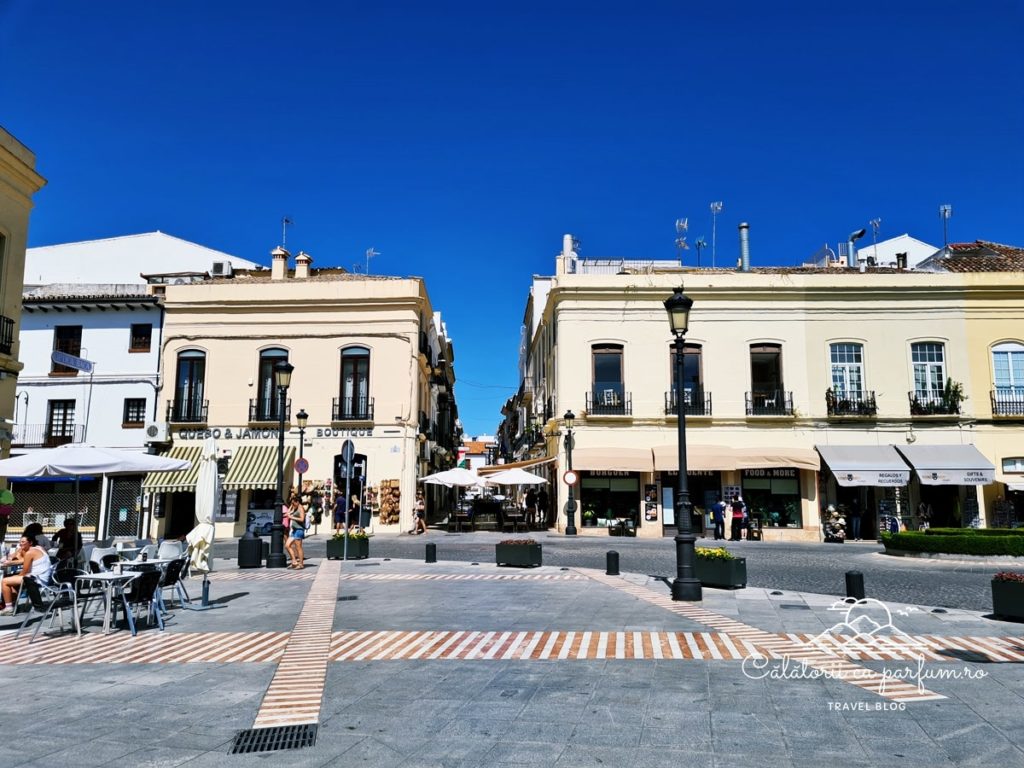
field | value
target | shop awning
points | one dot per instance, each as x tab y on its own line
699	458
949	464
255	466
764	458
525	464
870	465
179	480
613	459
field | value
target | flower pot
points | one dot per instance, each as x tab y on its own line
1008	600
589	522
522	555
726	574
358	549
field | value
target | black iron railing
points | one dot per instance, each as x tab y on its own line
770	402
46	435
352	409
932	403
6	334
1008	401
267	410
850	403
187	411
696	402
609	402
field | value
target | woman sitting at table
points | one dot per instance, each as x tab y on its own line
68	539
34	562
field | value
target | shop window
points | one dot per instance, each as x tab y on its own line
773	496
611	499
66	338
929	361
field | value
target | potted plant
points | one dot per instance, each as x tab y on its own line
589	518
718	567
1008	595
524	553
358	546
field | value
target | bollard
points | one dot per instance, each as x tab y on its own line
431	553
855	585
612	568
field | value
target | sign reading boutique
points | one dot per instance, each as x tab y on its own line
234	433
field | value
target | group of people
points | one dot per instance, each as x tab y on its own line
535	505
32	553
736	510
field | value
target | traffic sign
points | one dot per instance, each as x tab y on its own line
348	450
570	477
71	361
301	466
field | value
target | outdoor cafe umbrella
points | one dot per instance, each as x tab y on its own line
200	538
516	476
457	477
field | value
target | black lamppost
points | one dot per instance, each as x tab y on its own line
570	504
301	418
282	379
686	585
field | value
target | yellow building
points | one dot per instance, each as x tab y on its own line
18	183
372	364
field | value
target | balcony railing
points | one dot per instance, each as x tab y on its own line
696	402
267	411
771	402
1008	401
187	411
6	334
609	402
549	408
46	435
932	403
850	403
352	409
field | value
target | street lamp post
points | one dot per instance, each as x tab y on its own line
301	418
283	379
686	585
570	504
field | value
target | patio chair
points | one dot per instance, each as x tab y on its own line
142	591
151	551
170	549
172	580
65	579
44	601
103	556
513	516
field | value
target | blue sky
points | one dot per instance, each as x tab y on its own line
462	140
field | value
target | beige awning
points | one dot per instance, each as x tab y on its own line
255	466
525	464
699	458
614	459
179	479
763	458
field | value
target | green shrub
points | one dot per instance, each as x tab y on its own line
964	544
975	532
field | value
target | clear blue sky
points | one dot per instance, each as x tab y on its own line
462	140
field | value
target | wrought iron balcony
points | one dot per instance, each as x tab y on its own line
932	403
696	402
850	403
609	402
187	411
770	402
6	334
1008	401
267	411
354	409
46	435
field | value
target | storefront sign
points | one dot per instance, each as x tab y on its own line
956	476
774	472
607	473
887	478
235	433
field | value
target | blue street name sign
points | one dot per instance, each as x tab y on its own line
78	363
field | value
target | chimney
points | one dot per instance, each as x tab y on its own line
302	262
852	259
744	247
567	258
901	261
279	263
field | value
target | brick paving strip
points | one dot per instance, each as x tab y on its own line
463	577
775	646
297	689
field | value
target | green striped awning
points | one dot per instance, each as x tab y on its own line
255	466
179	479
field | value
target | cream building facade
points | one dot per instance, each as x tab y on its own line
803	387
372	364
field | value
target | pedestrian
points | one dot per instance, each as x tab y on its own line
738	513
531	506
542	507
419	510
352	514
297	517
339	513
853	516
718	513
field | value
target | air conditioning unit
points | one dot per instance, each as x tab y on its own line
221	269
158	432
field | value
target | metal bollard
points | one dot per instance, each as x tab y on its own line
855	585
612	567
431	553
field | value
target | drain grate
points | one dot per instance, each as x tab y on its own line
795	606
274	739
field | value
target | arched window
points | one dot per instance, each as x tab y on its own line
354	403
267	404
1008	379
189	386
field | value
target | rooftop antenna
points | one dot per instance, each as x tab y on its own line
285	221
716	208
876	224
370	253
682	225
945	213
701	245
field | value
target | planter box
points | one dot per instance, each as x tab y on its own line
522	555
358	549
1008	600
726	574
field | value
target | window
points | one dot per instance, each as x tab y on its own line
1008	370
692	388
60	423
134	412
267	404
929	361
189	386
1013	464
66	338
773	496
847	369
766	369
141	338
607	371
355	383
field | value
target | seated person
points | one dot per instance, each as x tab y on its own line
34	562
68	539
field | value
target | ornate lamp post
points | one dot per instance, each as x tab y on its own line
301	418
686	585
570	504
283	380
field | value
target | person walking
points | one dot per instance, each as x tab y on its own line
339	513
853	516
297	517
542	508
718	514
352	515
738	514
419	511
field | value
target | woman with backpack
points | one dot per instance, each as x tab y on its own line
298	518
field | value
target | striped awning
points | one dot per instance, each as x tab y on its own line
178	480
255	466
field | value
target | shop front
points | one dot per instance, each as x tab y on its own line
611	492
947	482
869	482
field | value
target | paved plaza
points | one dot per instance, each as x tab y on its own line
403	663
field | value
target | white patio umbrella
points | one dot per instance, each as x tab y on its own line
516	476
455	477
200	538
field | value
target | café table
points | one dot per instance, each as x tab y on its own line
110	582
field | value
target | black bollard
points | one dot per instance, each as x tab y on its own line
855	585
431	553
612	568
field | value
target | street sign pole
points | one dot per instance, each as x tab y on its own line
348	452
